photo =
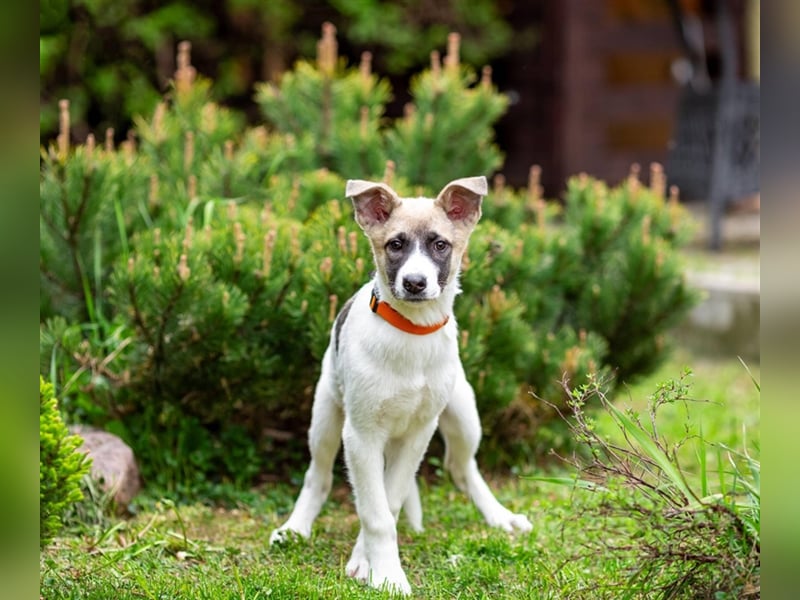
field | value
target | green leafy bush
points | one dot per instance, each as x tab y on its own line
204	266
61	466
113	62
336	119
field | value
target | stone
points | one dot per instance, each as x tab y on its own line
114	465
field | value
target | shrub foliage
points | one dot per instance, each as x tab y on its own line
190	277
113	63
61	466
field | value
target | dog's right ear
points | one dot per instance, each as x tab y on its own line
373	202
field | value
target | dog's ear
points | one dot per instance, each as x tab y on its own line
373	202
461	199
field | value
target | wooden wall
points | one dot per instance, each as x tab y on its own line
595	93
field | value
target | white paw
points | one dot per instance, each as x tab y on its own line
391	578
510	522
358	565
283	535
415	523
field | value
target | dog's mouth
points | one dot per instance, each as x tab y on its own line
423	296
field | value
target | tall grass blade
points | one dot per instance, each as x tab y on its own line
723	486
87	295
193	204
123	236
208	213
108	532
654	452
582	484
703	459
749	372
97	271
754	488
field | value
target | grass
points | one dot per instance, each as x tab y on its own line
684	510
202	551
725	407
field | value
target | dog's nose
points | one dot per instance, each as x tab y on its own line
414	284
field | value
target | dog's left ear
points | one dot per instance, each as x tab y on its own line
461	199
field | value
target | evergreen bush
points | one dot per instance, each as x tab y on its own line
190	278
113	63
61	466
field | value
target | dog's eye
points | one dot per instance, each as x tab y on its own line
395	244
440	245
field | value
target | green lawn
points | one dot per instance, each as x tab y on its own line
201	551
726	401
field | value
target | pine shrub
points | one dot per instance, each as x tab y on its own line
61	466
190	277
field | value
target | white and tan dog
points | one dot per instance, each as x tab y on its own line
392	373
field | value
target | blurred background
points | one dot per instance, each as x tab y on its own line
594	85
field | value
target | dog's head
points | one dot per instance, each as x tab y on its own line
418	242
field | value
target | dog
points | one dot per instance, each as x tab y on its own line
391	374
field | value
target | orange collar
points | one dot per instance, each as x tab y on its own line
393	317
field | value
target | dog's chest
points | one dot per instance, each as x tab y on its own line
416	401
395	389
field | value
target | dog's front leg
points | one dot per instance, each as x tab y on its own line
324	438
375	558
461	428
403	457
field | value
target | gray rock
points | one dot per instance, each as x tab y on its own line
113	464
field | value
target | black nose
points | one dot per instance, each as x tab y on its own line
414	284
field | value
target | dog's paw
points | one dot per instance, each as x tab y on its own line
520	523
284	536
391	579
510	522
399	586
358	565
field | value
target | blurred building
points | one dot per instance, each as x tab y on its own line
601	88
